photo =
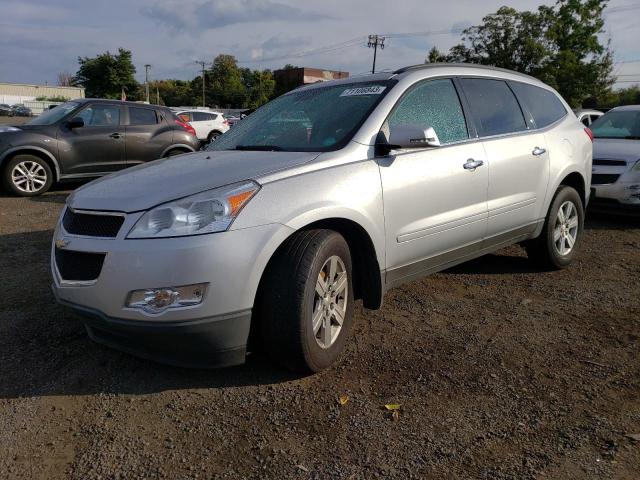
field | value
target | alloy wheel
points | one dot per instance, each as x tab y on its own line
29	176
330	301
565	231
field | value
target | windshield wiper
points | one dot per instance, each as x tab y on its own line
265	148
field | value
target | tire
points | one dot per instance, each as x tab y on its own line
27	175
557	245
288	301
174	152
213	136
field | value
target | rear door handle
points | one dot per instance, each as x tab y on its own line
472	164
538	151
115	135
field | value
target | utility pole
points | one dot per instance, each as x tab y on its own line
200	62
146	80
375	41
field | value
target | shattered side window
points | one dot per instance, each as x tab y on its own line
433	103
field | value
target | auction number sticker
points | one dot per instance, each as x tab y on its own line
370	90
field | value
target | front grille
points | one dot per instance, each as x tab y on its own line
92	225
79	266
610	163
604	178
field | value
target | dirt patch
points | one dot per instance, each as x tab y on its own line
502	371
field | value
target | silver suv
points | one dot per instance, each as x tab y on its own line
331	193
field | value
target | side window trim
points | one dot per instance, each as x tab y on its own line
415	85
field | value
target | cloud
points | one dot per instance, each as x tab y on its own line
210	14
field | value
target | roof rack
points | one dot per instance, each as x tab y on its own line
423	66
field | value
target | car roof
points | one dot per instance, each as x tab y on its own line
429	70
185	110
108	100
627	107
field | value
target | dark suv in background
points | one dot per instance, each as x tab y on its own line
88	138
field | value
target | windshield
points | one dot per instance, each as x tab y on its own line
618	124
315	120
49	117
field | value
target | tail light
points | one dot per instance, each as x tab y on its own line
589	133
226	122
186	126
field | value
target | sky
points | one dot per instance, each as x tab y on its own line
39	38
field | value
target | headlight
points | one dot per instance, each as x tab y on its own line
636	167
9	129
207	212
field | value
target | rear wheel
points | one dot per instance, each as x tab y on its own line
27	175
557	245
306	303
174	152
213	136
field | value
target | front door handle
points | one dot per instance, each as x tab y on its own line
538	151
115	135
472	164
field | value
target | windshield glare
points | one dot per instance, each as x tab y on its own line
49	117
618	124
319	119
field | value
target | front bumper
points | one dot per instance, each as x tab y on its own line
203	343
212	333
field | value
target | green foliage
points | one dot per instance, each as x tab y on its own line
105	75
558	44
52	99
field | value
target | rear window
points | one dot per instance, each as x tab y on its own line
142	116
545	106
493	106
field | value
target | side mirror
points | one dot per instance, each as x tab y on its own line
407	136
75	122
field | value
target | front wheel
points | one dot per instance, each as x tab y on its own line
557	245
306	301
27	175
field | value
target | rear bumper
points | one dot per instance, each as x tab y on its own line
210	342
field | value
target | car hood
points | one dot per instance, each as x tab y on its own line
616	149
150	184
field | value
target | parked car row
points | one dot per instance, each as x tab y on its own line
332	192
17	110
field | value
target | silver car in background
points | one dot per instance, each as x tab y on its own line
616	159
331	193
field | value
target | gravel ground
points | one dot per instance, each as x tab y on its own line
502	372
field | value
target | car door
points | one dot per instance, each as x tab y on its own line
148	135
516	153
435	208
98	146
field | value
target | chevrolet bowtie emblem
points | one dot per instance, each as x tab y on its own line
62	242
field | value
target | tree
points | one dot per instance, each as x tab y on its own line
558	44
435	56
65	79
259	85
225	87
105	75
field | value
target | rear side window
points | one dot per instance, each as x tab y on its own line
142	116
185	117
432	103
545	106
494	107
201	116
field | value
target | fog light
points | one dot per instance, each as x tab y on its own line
157	300
634	187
